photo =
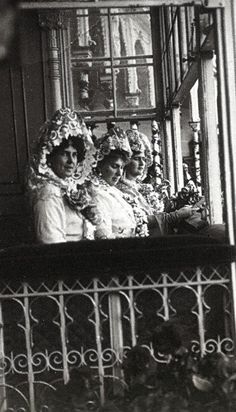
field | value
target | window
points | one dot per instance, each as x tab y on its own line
111	62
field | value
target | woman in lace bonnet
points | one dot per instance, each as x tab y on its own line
56	179
143	195
117	218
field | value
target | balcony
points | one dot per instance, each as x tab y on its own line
80	307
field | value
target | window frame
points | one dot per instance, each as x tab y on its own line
123	114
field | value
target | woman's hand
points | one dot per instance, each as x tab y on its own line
186	211
91	213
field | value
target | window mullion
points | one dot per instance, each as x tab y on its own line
112	64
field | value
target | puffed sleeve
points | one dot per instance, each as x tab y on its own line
49	220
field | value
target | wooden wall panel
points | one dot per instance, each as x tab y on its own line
8	164
32	67
22	113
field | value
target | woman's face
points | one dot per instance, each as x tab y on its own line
112	169
136	166
64	162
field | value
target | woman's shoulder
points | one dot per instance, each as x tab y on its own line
49	191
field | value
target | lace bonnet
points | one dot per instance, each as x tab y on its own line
64	123
114	139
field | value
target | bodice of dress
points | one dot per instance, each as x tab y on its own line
117	218
132	188
55	221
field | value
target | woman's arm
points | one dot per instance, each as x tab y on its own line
164	221
49	220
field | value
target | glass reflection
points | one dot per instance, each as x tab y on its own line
89	35
111	60
131	34
93	88
135	88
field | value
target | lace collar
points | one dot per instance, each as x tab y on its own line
77	196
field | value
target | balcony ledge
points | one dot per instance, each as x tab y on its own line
104	258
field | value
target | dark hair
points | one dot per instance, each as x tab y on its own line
137	152
134	121
114	155
76	142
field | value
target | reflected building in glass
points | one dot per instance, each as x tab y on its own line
112	60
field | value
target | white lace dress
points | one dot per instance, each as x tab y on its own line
116	215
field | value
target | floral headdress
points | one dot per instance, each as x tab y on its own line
114	139
140	143
64	124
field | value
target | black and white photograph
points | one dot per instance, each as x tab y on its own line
118	206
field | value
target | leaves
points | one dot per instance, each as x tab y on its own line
185	383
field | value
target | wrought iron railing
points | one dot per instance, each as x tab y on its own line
81	306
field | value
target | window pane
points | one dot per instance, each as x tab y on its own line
92	87
131	35
135	87
89	35
112	61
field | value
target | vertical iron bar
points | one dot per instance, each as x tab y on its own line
132	312
116	329
165	296
98	332
29	349
63	333
201	327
